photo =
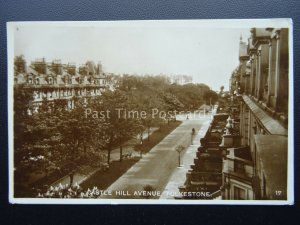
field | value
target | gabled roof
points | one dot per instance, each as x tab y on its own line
33	71
42	79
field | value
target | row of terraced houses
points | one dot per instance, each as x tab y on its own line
244	153
54	80
261	84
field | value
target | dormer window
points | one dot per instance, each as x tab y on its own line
37	81
30	80
50	80
68	80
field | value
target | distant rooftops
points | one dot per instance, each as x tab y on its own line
40	66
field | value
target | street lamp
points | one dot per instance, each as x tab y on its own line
179	149
141	139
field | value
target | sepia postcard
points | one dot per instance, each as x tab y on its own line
151	112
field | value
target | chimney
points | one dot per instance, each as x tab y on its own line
71	68
40	66
57	66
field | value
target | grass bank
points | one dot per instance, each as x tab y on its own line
157	137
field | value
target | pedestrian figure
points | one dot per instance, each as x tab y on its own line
192	135
187	117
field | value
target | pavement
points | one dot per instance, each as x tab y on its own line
158	170
179	175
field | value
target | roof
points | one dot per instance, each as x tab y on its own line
272	156
20	78
59	80
42	79
31	70
273	126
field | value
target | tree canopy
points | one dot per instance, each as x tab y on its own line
62	136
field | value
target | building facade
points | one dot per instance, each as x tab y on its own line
53	81
180	79
258	168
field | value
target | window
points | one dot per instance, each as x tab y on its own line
239	193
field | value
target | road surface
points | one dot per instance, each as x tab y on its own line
156	167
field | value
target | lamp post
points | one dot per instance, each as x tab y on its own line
141	139
179	149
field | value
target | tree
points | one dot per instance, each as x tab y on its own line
172	104
143	95
76	131
210	97
190	95
221	91
22	104
115	126
66	132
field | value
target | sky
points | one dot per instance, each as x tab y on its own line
208	53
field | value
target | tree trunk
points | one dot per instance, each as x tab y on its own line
72	153
71	178
84	148
121	152
141	137
108	155
109	147
76	149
